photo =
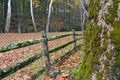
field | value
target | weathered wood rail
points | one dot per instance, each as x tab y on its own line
13	68
30	42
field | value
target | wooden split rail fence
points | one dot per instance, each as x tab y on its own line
11	69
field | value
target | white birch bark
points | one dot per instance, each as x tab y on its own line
7	26
18	19
82	4
83	21
49	13
32	15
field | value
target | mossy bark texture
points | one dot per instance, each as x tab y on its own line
102	44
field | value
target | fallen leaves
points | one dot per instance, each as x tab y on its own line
62	76
68	63
21	77
13	56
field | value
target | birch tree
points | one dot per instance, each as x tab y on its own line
18	16
32	15
83	17
49	13
7	26
83	6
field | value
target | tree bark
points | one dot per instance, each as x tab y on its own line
83	17
7	26
32	15
102	42
49	13
18	17
82	4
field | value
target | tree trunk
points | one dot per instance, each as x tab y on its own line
18	17
83	6
102	42
49	13
7	26
31	10
2	17
83	17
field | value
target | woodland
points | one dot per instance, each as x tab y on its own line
32	15
59	39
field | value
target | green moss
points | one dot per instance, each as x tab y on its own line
93	10
92	42
106	63
108	18
106	1
99	77
96	59
92	38
117	59
115	35
92	49
85	69
109	56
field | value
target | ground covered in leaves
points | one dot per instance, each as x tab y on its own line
66	65
13	56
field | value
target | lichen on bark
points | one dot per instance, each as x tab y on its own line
102	44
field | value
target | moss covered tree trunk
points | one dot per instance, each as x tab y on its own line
102	44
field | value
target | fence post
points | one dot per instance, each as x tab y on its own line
74	39
46	53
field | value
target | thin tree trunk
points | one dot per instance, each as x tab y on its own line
18	16
83	22
3	6
32	15
82	4
49	13
7	26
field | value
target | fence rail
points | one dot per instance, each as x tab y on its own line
21	44
8	70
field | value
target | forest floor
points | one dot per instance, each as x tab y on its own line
66	66
14	56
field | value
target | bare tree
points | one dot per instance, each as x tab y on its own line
83	18
83	6
7	26
49	13
18	16
32	15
